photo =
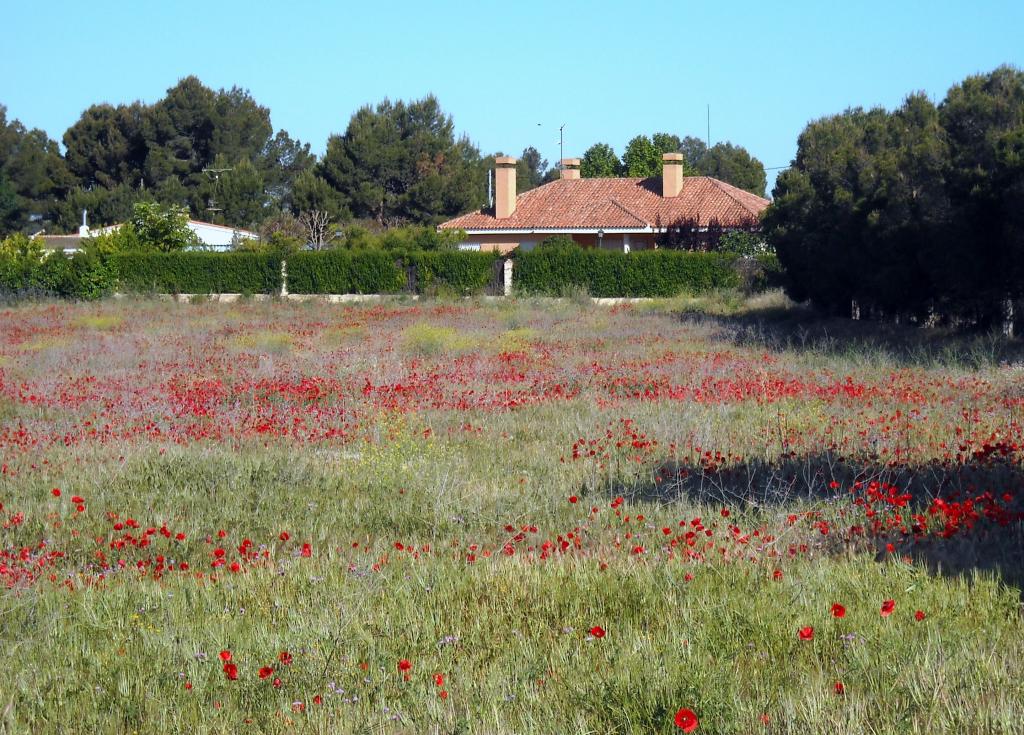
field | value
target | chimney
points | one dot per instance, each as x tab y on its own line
504	186
570	168
671	174
83	231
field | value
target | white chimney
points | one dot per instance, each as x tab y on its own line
83	231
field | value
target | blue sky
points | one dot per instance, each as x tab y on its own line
607	70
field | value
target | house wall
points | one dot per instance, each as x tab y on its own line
506	243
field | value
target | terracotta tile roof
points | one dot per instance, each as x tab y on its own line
568	204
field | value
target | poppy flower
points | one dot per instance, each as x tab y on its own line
686	720
231	671
404	665
284	536
597	631
439	680
838	611
777	575
443	694
806	633
573	499
225	655
284	657
56	492
919	615
839	688
77	499
887	607
277	683
265	672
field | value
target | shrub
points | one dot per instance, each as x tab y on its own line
343	271
460	272
605	273
198	272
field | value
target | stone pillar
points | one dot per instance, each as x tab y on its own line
284	279
507	277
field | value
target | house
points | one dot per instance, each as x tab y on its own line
610	213
212	237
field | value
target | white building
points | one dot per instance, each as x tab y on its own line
212	237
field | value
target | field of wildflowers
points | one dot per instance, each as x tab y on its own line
515	517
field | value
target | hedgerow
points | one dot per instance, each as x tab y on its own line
605	273
460	272
345	271
197	272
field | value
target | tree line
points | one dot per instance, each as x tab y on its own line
217	154
916	212
642	157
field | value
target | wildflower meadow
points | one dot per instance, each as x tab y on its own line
517	516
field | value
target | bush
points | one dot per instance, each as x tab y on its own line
604	273
198	272
344	271
462	273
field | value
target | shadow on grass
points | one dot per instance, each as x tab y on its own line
802	329
973	508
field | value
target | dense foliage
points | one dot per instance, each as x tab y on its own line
345	272
556	271
197	272
912	212
400	162
456	272
730	163
26	270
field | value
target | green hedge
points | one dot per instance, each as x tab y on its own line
53	274
464	273
345	271
198	272
607	273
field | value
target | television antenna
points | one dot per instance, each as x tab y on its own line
214	173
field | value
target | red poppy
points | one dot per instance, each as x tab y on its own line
56	492
443	694
439	680
77	499
887	607
777	575
307	550
225	655
284	657
284	536
573	499
597	631
765	719
230	671
265	672
839	688
919	615
838	611
404	665
277	683
806	633
686	720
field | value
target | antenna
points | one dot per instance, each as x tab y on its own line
215	174
561	144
